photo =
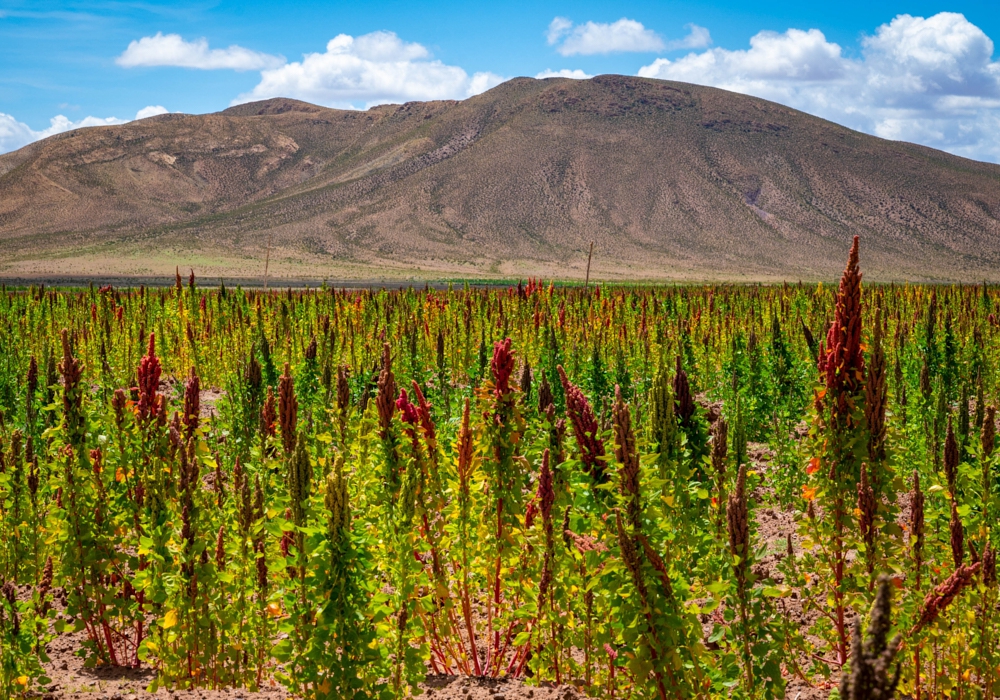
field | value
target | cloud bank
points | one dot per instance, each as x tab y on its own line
15	134
172	50
928	80
625	35
590	38
372	69
575	74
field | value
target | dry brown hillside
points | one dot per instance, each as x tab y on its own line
672	181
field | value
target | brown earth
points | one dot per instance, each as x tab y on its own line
671	181
71	680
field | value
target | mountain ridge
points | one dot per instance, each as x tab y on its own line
672	181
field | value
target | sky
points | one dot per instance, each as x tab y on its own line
916	71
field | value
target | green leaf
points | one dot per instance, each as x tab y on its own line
718	587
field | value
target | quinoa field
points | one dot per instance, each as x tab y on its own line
611	491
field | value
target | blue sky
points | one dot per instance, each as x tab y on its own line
917	71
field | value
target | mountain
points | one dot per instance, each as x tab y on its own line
669	180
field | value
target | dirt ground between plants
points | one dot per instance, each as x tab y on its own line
70	679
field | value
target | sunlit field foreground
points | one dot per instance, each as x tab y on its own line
669	492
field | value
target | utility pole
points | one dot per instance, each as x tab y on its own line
586	283
267	257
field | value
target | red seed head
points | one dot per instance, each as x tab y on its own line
683	401
502	367
192	406
288	410
409	411
942	596
268	415
585	428
426	421
386	392
842	362
149	382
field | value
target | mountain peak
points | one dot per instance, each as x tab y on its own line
669	180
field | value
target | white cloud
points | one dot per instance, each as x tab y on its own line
171	50
927	80
151	111
794	55
557	29
575	74
483	81
600	38
697	38
15	134
372	69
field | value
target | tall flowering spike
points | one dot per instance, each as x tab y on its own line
870	675
738	524
220	548
841	361
288	410
720	436
545	397
942	596
867	510
252	374
683	401
149	382
45	585
989	565
192	407
32	387
426	421
951	459
118	402
546	498
876	398
464	448
628	458
73	417
386	392
957	536
343	389
585	428
989	435
440	349
268	415
502	366
409	413
32	376
338	505
298	480
525	382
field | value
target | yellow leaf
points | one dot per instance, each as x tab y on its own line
22	680
169	620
